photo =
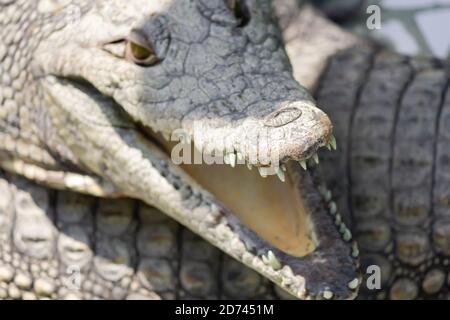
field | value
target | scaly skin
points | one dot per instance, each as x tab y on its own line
63	245
390	172
80	109
393	160
153	257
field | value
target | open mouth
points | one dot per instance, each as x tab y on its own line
268	204
289	220
279	221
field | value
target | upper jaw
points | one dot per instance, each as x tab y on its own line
294	131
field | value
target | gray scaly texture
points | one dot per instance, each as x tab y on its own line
90	90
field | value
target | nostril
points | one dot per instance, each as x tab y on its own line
283	117
239	10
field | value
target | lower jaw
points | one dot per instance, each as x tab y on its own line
311	261
285	231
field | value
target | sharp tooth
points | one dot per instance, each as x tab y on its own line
280	174
262	172
347	235
232	159
355	250
353	284
327	294
316	158
328	196
338	220
240	157
274	262
303	164
333	142
333	207
287	272
329	146
249	166
283	167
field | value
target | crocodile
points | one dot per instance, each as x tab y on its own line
93	95
110	99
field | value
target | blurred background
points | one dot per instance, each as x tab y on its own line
412	27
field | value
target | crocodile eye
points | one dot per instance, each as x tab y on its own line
240	11
140	53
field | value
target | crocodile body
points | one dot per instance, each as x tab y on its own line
393	166
390	174
122	249
59	244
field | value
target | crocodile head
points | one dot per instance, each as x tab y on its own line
122	80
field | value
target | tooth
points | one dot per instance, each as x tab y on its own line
353	284
287	272
303	164
226	159
240	157
283	167
347	235
274	262
333	142
265	260
280	174
338	219
249	166
262	172
232	159
327	294
316	158
333	207
328	196
329	146
355	250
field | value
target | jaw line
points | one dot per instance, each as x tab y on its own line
329	268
